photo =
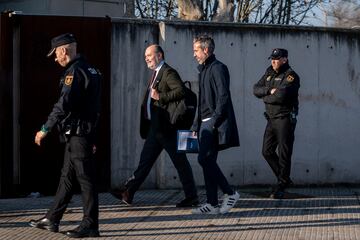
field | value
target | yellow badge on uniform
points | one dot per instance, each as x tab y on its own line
268	78
68	80
290	78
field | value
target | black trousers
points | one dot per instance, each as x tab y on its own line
79	165
213	176
155	142
279	135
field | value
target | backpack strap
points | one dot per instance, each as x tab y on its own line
189	84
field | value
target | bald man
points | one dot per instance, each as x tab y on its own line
165	86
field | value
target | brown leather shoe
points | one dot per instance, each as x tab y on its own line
116	193
127	197
123	195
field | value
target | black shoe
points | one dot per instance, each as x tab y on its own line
277	195
278	192
188	202
286	184
289	183
46	224
82	232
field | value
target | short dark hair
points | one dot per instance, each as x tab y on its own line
158	49
205	42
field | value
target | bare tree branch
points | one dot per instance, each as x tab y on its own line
346	13
247	11
138	8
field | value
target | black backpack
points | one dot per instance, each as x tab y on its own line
185	112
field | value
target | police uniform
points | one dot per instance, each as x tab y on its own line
281	111
76	114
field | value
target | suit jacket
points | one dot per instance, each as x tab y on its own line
214	78
171	89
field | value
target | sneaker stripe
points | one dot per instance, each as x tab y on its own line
207	209
229	202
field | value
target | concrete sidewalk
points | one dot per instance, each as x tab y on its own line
308	213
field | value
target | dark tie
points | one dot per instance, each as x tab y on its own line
150	83
151	80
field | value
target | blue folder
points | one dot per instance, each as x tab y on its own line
186	142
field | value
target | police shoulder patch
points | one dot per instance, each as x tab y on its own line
290	78
69	80
268	78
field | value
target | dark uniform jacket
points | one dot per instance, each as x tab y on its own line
285	99
171	89
214	79
79	101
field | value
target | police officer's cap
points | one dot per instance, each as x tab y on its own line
61	40
278	53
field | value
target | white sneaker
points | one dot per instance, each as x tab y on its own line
206	209
229	202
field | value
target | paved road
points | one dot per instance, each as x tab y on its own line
307	213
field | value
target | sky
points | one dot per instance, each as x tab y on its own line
320	17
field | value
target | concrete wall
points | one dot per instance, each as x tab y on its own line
91	8
129	76
326	145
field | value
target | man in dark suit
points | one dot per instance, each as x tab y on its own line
215	125
164	89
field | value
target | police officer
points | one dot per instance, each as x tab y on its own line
76	114
279	88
